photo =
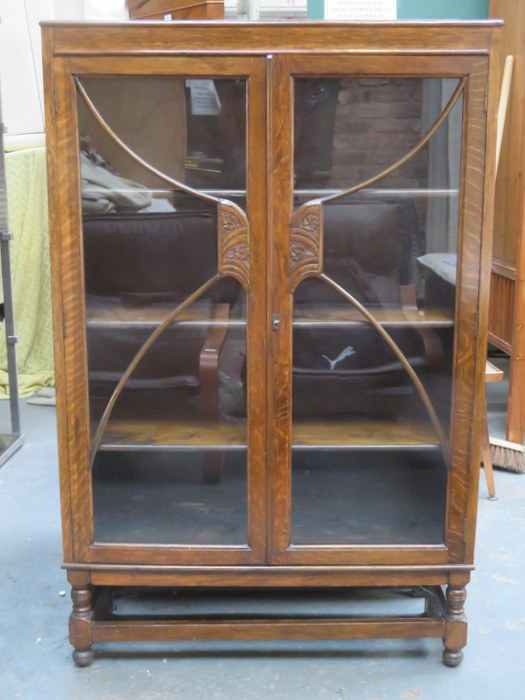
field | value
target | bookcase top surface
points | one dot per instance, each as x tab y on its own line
267	37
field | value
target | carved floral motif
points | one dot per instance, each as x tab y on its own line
240	251
231	220
311	220
234	247
305	243
301	251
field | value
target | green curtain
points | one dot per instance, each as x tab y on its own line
29	252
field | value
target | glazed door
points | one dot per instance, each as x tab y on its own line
171	209
376	269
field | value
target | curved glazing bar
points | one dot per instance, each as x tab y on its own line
436	423
422	142
170	318
152	169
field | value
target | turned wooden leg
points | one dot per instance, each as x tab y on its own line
456	633
80	625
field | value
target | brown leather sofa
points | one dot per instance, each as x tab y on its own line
370	249
127	275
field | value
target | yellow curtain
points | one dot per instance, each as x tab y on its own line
28	222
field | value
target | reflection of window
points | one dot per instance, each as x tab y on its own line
268	9
444	163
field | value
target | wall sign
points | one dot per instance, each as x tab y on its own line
360	9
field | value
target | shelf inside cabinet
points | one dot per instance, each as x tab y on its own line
115	314
112	313
324	315
164	434
368	192
355	434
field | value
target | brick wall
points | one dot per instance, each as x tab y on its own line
377	121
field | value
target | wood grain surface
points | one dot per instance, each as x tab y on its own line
306	243
182	630
507	305
112	314
256	247
350	434
264	38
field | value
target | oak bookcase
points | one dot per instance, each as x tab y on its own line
270	249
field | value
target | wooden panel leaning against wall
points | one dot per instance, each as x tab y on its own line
507	306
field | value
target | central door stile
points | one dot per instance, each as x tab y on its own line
258	410
280	150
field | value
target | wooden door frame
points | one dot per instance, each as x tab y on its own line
70	315
468	367
134	41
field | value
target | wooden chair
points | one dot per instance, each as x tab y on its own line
213	466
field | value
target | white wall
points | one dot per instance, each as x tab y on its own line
68	9
20	65
21	50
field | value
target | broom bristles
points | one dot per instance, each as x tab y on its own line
507	455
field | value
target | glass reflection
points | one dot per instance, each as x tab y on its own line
391	246
168	422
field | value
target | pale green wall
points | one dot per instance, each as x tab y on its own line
443	9
425	9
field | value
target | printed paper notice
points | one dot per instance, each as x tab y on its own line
204	98
360	9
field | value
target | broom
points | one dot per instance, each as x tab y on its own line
507	455
504	454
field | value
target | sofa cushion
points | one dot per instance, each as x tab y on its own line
366	232
146	258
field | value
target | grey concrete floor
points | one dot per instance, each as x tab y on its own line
35	661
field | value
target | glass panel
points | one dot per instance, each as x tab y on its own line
166	338
372	396
192	130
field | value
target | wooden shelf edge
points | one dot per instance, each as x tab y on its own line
323	628
163	435
121	316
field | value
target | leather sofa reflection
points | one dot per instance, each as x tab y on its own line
138	268
370	249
